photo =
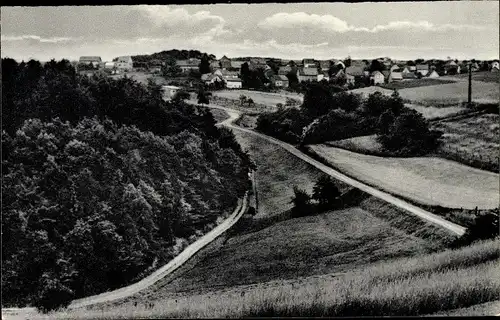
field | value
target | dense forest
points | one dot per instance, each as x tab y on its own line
327	114
102	179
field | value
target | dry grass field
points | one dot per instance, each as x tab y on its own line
485	76
472	140
454	280
416	83
426	180
450	94
277	172
267	98
219	115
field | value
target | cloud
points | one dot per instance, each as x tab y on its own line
164	15
331	23
36	38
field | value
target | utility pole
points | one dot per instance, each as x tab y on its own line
469	101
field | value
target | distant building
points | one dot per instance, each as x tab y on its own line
307	74
395	76
236	64
189	64
169	92
280	81
423	69
214	65
233	83
495	66
323	76
377	77
94	60
225	62
433	74
309	63
284	70
325	65
408	75
226	74
109	65
124	63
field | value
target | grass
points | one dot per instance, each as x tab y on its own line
447	280
415	83
473	141
266	98
425	180
451	94
247	121
277	172
219	115
485	76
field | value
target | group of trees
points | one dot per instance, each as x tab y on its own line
101	178
254	78
327	115
326	196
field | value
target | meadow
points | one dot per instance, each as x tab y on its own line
416	83
485	76
426	180
473	141
454	280
266	98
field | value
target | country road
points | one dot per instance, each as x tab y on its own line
452	227
152	278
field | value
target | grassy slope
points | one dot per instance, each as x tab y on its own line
451	280
219	115
426	180
267	98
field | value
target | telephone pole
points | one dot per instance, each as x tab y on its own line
469	101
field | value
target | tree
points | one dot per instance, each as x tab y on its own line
204	66
376	65
250	102
52	295
301	202
171	69
245	74
317	100
203	96
326	192
243	99
181	95
485	226
347	61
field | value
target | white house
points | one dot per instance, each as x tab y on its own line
376	78
94	60
109	65
169	92
233	83
124	63
423	69
495	66
433	74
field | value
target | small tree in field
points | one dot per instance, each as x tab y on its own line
301	202
326	193
181	95
250	102
243	99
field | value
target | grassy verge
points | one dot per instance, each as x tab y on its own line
422	285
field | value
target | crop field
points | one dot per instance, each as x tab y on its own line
416	83
452	93
267	98
485	76
456	282
425	180
472	140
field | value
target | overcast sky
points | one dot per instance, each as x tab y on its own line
402	30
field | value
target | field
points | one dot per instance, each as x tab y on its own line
369	259
452	93
266	98
425	180
485	76
141	77
219	115
277	172
454	280
473	140
416	83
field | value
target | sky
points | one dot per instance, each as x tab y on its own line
402	30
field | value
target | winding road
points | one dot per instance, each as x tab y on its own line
428	216
152	278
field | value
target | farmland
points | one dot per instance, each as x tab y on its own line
266	98
416	83
426	180
473	140
485	76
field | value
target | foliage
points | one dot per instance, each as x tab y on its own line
203	97
485	226
301	203
326	192
181	95
101	177
204	64
171	69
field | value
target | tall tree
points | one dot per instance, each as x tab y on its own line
204	66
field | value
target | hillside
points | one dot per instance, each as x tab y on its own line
166	54
103	182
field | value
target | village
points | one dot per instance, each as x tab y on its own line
226	73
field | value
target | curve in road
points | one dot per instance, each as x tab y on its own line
428	216
167	269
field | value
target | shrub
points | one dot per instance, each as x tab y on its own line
302	203
326	192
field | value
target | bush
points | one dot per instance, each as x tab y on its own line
53	295
301	203
485	226
326	192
